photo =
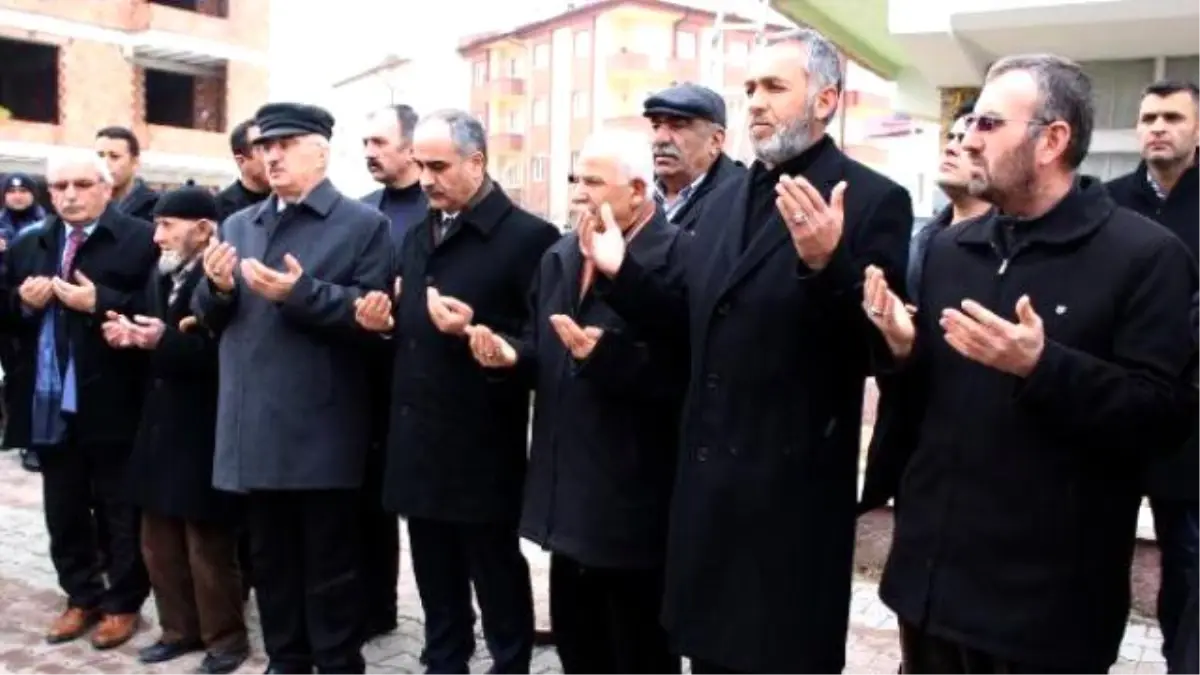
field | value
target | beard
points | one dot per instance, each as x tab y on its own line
789	141
169	262
1010	180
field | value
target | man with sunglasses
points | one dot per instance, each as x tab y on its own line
1049	356
77	401
1165	188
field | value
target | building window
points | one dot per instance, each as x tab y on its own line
188	101
541	56
29	81
214	8
685	44
481	72
514	68
541	112
515	123
538	169
1117	89
579	104
1186	68
738	52
574	160
583	45
512	175
1109	165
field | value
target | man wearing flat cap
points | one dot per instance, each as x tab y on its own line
189	540
292	414
689	159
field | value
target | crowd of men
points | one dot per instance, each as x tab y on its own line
282	370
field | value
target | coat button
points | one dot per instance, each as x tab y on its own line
723	309
404	411
711	380
734	451
429	280
702	454
412	344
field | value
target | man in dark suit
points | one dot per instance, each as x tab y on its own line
387	147
189	540
293	416
120	149
457	440
689	150
251	186
77	400
761	534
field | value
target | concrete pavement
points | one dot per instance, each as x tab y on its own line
29	600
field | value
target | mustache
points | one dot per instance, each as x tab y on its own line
667	149
374	164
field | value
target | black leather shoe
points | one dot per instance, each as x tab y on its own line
30	461
221	662
166	651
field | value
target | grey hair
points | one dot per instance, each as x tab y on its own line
78	157
823	62
1064	93
466	132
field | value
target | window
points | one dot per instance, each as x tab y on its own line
514	68
1186	68
738	52
512	174
1117	88
29	81
685	44
574	160
541	56
583	45
541	112
217	8
1109	165
481	72
515	123
579	104
187	101
538	169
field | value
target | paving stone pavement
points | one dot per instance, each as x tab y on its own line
29	599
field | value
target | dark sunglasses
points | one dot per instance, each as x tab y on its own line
989	123
80	185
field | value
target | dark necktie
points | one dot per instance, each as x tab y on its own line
74	240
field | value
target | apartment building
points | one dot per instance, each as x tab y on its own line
543	87
178	72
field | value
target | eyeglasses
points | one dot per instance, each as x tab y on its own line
80	185
988	123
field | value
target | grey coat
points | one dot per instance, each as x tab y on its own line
293	411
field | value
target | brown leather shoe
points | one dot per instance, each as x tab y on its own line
115	630
71	624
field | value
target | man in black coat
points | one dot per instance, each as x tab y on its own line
1166	189
688	121
457	437
605	427
76	400
120	149
251	187
189	540
387	147
1052	354
761	532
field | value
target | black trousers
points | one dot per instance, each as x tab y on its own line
921	652
447	559
606	620
94	534
304	546
380	552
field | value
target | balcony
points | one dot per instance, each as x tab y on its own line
504	88
629	68
166	37
506	142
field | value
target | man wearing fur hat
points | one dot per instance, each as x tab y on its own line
189	540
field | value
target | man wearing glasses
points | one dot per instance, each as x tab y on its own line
77	401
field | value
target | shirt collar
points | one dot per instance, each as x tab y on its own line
661	193
1154	185
87	229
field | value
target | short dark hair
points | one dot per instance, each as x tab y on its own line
964	110
1064	94
1169	87
239	138
122	134
408	118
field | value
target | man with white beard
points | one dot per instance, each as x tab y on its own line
189	538
761	530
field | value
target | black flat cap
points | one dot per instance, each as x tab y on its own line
278	120
187	203
687	100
